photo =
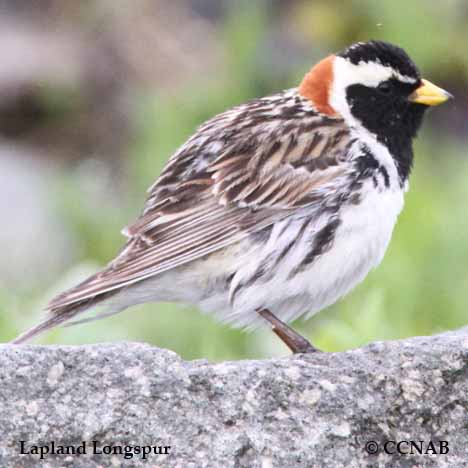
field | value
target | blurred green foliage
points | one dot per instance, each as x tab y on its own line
420	286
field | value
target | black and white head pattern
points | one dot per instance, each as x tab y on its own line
372	82
371	86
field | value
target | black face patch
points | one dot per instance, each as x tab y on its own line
385	111
384	108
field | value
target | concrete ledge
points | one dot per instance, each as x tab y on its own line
309	411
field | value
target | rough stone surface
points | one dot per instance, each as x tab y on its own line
298	411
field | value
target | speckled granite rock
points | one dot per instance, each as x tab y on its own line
310	411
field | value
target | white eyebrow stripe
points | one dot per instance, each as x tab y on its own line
406	79
396	74
367	73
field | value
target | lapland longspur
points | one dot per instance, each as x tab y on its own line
275	208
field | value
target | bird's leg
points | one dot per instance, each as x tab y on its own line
295	342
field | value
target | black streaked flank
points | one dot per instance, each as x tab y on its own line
323	241
266	269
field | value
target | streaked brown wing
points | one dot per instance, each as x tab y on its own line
238	174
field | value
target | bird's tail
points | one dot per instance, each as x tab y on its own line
64	315
51	321
94	290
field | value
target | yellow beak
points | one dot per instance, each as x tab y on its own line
429	94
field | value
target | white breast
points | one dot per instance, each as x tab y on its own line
366	229
363	236
359	245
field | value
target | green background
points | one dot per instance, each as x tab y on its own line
421	286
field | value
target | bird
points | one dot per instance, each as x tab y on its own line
276	208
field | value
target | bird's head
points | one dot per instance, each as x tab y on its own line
374	86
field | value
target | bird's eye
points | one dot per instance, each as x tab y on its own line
385	87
